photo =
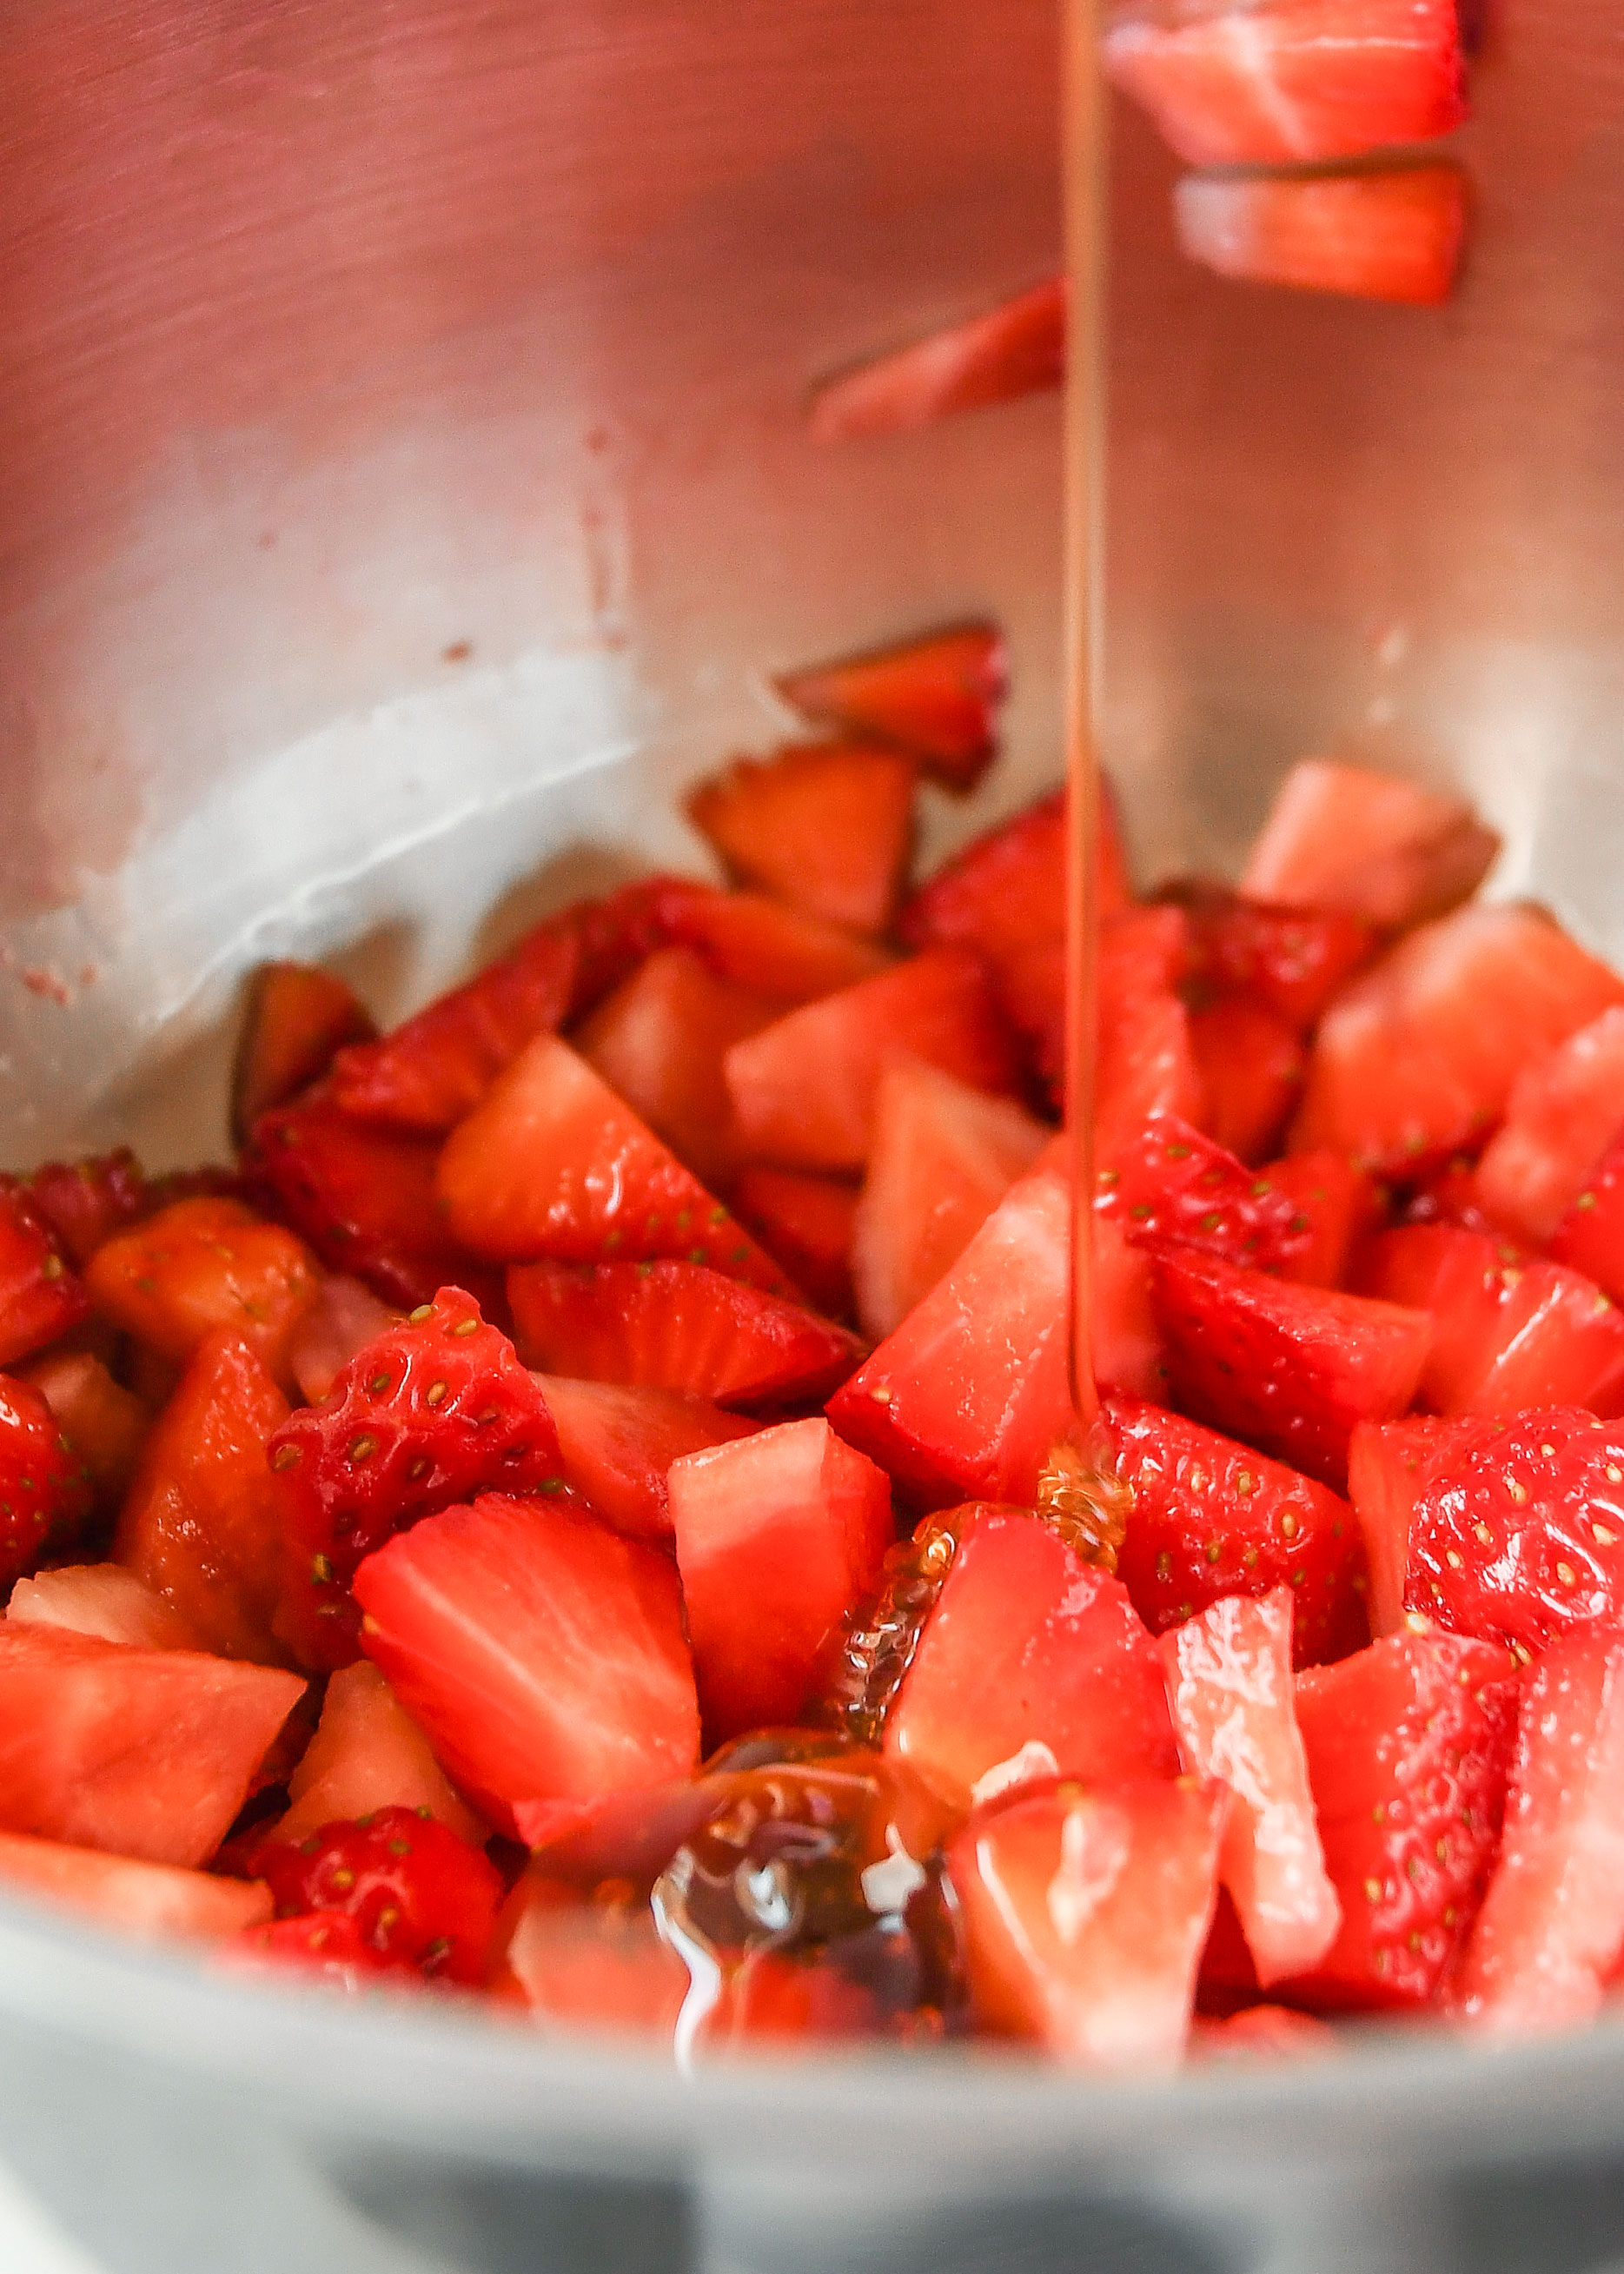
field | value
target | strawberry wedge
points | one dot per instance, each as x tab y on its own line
938	697
1564	1111
137	1898
1393	235
808	1223
295	1018
617	1444
829	828
1016	349
1168	1185
1340	837
1293	959
1388	1465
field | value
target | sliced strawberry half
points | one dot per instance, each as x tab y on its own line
368	1753
1016	349
1294	80
295	1018
1564	1109
1408	1747
804	1089
40	1299
1084	1913
617	1445
1396	235
553	1164
808	1223
676	1326
1250	1066
828	827
1168	1185
1211	1518
938	697
542	1653
1387	850
1229	1686
1289	1368
436	1410
421	1899
1294	959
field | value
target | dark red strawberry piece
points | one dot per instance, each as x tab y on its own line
806	1222
1168	1185
1288	1368
295	1018
40	1299
1294	960
1016	349
1396	234
422	1899
1251	1064
1213	1518
938	697
764	945
81	1203
437	1409
45	1492
614	934
828	827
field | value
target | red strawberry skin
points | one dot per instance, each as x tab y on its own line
40	1298
422	1899
937	697
1294	960
46	1493
1169	1186
1212	1518
434	1411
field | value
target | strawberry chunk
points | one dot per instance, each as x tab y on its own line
1564	1109
45	1492
1299	80
1417	1057
765	945
658	1042
202	1525
938	697
422	1899
1251	1066
40	1299
1031	1664
1016	349
368	1753
808	1223
943	1157
804	1089
323	1946
295	1018
105	1423
344	1317
200	1265
1085	1914
676	1326
81	1203
1590	1236
1212	1519
542	1654
1548	1935
1387	1463
1293	959
1007	891
1519	1534
435	1410
100	1599
590	1965
617	1445
1408	1746
1290	1369
778	1536
553	1164
1335	1203
137	1898
1146	1062
1166	1186
828	827
147	1753
1396	235
1342	837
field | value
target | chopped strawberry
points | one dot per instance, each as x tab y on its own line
1519	1534
1261	2033
1396	235
617	1445
590	1965
1342	837
938	697
804	1089
778	1537
1032	987
368	1753
147	1753
1335	1202
45	1492
296	1017
325	1946
553	1164
763	945
344	1317
1293	959
1548	1935
363	1198
542	1653
434	1411
1407	1744
827	826
81	1203
103	1600
1251	1066
105	1423
1125	1344
1590	1236
202	1265
1146	1062
1297	80
423	1900
1289	1368
1417	1057
1564	1108
1229	1686
676	1326
40	1299
1084	1913
137	1898
942	1158
616	933
808	1223
1166	1186
1016	349
1007	891
1387	1463
1030	1663
202	1525
658	1042
1213	1519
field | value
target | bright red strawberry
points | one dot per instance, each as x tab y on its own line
542	1654
201	1265
553	1164
1564	1109
1146	1061
1408	1747
1016	349
1547	1937
1166	1186
1590	1236
434	1411
1296	80
761	943
1342	837
1293	959
676	1326
1229	1686
938	697
1289	1368
136	1898
1334	1201
617	1445
296	1017
325	1946
615	934
40	1299
1396	235
45	1492
808	1223
81	1203
423	1900
1084	1913
1250	1066
368	1753
1212	1519
1007	891
827	826
1388	1465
